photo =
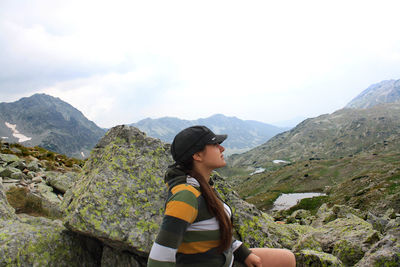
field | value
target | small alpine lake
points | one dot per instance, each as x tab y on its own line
286	201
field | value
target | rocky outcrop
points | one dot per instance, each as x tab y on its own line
30	188
6	211
32	241
119	196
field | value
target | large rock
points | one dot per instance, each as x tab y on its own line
306	258
8	158
38	241
6	211
112	258
60	181
346	238
119	195
386	252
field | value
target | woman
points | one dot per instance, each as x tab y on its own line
197	229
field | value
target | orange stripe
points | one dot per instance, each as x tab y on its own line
197	247
181	187
181	210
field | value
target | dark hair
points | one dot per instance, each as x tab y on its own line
214	205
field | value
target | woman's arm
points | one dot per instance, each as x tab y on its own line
181	210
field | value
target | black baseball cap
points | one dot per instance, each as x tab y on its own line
193	139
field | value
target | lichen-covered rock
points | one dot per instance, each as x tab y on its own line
8	158
386	252
323	216
20	164
112	258
6	211
41	242
307	258
34	166
8	171
119	195
301	216
60	181
49	201
346	238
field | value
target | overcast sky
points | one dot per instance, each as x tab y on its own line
122	61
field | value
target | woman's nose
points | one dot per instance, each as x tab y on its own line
221	148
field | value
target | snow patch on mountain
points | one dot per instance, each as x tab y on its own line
16	133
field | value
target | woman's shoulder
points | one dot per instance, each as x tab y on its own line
185	189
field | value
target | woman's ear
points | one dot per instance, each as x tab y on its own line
197	156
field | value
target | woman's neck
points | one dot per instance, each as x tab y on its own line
205	172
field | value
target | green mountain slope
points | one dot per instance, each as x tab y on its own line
345	132
367	181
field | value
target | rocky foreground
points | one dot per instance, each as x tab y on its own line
109	212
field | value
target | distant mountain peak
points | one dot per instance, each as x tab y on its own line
49	122
243	135
387	91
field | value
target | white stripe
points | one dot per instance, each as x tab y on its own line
206	225
228	210
236	244
192	181
161	253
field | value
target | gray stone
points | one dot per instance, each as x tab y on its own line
346	238
306	258
386	252
6	211
34	166
119	196
61	181
8	158
31	175
111	258
18	164
35	241
8	171
300	216
18	176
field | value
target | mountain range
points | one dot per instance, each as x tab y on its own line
369	124
48	122
380	93
242	134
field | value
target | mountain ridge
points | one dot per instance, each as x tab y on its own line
50	123
242	134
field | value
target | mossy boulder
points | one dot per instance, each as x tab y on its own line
386	252
60	181
346	238
119	196
307	258
8	158
6	211
112	257
35	241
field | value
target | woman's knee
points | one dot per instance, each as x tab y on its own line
275	256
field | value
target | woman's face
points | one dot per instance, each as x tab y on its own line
211	156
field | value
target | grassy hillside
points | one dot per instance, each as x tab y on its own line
368	181
343	133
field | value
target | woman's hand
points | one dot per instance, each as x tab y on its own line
253	261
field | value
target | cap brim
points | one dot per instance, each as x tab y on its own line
219	138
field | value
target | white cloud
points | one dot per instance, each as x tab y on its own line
122	61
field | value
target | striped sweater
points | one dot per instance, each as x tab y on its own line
189	234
